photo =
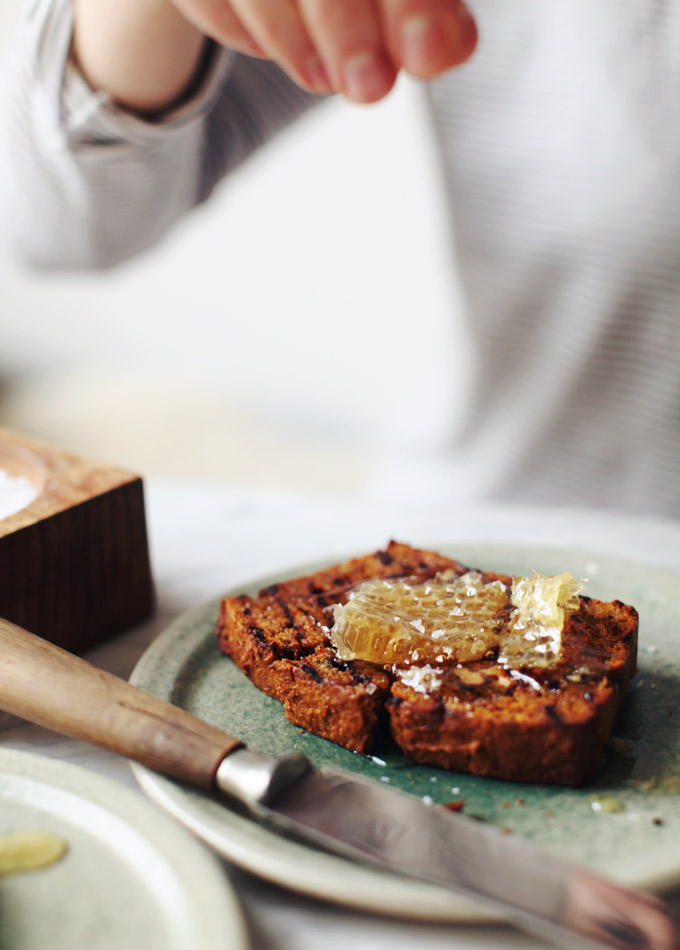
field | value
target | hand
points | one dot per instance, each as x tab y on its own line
354	47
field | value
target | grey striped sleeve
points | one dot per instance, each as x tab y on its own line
87	185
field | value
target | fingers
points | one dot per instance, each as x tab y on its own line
349	38
427	37
277	26
216	19
355	47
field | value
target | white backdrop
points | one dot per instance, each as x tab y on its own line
302	311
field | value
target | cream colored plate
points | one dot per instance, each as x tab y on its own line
132	879
640	845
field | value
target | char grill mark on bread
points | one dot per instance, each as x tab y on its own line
549	725
552	730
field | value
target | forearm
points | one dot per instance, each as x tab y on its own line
144	53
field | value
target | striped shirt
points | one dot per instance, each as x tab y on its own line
560	150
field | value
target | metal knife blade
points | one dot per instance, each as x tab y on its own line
361	820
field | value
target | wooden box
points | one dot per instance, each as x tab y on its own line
74	563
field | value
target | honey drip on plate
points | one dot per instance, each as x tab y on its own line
455	618
29	851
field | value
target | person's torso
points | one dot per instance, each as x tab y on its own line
561	151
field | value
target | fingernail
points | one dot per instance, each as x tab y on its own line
253	49
365	77
464	15
418	34
316	75
468	28
429	46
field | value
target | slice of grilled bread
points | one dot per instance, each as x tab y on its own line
534	725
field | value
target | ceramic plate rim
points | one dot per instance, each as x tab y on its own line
196	871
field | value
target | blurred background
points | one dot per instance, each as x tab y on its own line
296	331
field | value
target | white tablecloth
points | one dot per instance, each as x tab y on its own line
207	538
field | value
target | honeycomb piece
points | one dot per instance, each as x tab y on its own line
455	618
451	617
542	603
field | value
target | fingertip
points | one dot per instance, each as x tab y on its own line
367	77
469	35
314	77
430	46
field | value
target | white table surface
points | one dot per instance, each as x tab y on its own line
207	538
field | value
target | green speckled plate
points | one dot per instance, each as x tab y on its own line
638	843
131	876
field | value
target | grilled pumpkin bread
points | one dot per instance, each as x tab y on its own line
545	724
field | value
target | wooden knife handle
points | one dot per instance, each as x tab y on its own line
48	686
